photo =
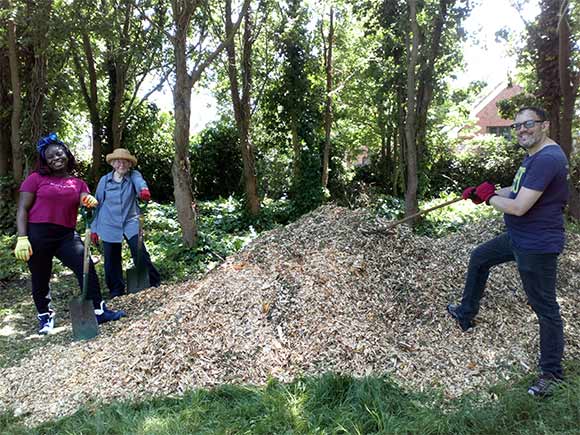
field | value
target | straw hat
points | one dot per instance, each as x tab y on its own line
121	153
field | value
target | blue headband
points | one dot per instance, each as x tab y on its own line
46	141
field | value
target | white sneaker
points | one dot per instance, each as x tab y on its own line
46	323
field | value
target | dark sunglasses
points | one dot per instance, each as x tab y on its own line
527	124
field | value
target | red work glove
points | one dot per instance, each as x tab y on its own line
89	201
95	238
485	191
469	193
145	195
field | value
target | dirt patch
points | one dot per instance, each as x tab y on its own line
321	294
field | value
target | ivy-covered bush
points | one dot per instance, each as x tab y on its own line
484	158
306	191
216	162
7	206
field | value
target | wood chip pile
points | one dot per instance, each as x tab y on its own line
321	294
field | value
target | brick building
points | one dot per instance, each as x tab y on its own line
486	114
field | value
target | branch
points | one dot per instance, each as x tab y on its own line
196	73
144	16
145	97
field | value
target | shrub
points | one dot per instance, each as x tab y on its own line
483	158
148	137
216	162
10	267
7	206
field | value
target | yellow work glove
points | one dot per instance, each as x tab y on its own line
23	249
89	201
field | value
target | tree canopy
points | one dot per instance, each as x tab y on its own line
305	91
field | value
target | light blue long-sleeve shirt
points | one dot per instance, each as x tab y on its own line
117	214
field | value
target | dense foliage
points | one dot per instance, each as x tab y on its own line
148	137
90	73
216	165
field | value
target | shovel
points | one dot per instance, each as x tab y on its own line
82	313
138	276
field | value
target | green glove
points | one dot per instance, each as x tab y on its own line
23	249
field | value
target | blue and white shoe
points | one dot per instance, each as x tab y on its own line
46	322
103	314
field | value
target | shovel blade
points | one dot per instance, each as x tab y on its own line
137	279
84	322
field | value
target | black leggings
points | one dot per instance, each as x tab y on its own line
49	241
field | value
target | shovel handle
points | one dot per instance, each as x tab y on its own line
408	218
140	234
86	254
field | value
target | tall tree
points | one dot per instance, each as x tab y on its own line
39	13
242	103
412	40
183	14
17	152
5	113
134	50
114	48
300	101
327	53
87	74
423	80
558	78
82	23
569	78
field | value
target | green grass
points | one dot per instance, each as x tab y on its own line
329	404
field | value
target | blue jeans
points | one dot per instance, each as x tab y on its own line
114	266
538	275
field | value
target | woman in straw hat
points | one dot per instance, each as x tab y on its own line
117	218
47	215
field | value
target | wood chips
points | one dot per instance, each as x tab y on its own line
321	294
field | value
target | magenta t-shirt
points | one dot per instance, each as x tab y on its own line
57	199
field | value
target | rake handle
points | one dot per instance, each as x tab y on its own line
408	218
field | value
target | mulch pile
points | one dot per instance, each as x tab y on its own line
321	294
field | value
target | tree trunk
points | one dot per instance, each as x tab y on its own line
328	104
545	44
17	153
37	92
411	202
116	106
181	170
5	113
90	95
425	92
183	11
295	148
242	108
569	89
118	66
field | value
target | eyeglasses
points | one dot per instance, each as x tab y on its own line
527	124
122	162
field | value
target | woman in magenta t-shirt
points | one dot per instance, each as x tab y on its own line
46	220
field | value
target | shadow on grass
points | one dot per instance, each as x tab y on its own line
18	321
329	404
